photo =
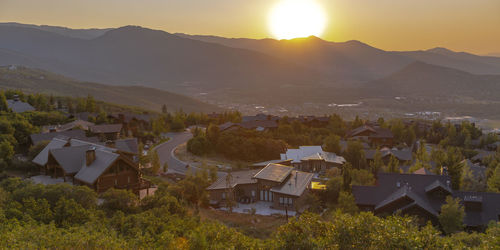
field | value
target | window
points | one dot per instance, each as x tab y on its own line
281	200
223	196
128	179
253	193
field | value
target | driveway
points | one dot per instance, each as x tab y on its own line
166	153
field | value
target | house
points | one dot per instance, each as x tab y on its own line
132	122
312	159
107	131
477	170
423	196
423	171
78	134
282	186
18	106
481	155
76	124
259	117
403	155
250	125
96	166
376	136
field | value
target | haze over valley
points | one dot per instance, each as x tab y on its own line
297	76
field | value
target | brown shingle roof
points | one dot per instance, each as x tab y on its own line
274	172
106	128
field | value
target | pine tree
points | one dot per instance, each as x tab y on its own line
377	163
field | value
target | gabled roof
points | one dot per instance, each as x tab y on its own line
103	160
128	145
423	171
74	124
274	172
43	156
375	132
406	192
295	185
401	155
239	178
37	138
482	154
306	153
19	107
438	185
71	159
106	128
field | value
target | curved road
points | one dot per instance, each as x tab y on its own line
166	153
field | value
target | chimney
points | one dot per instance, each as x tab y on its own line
90	156
110	143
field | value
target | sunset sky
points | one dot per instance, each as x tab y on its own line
461	25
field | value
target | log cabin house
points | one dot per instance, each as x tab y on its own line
96	166
281	186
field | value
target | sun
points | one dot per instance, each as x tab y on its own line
296	18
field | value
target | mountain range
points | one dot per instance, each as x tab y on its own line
249	70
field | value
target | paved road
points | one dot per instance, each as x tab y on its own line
166	153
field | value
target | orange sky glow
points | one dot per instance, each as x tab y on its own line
460	25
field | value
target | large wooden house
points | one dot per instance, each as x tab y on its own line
97	166
374	135
422	195
281	186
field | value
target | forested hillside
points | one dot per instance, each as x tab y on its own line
39	81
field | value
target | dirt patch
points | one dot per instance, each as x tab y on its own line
258	226
210	160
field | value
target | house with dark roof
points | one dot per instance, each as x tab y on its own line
403	155
375	135
250	125
423	196
281	186
132	123
94	165
76	124
77	134
107	131
312	159
18	106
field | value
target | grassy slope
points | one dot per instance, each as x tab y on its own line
38	81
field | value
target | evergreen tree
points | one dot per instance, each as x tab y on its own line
3	102
494	180
332	144
346	176
393	166
452	216
377	164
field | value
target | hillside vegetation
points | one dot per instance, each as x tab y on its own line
38	81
